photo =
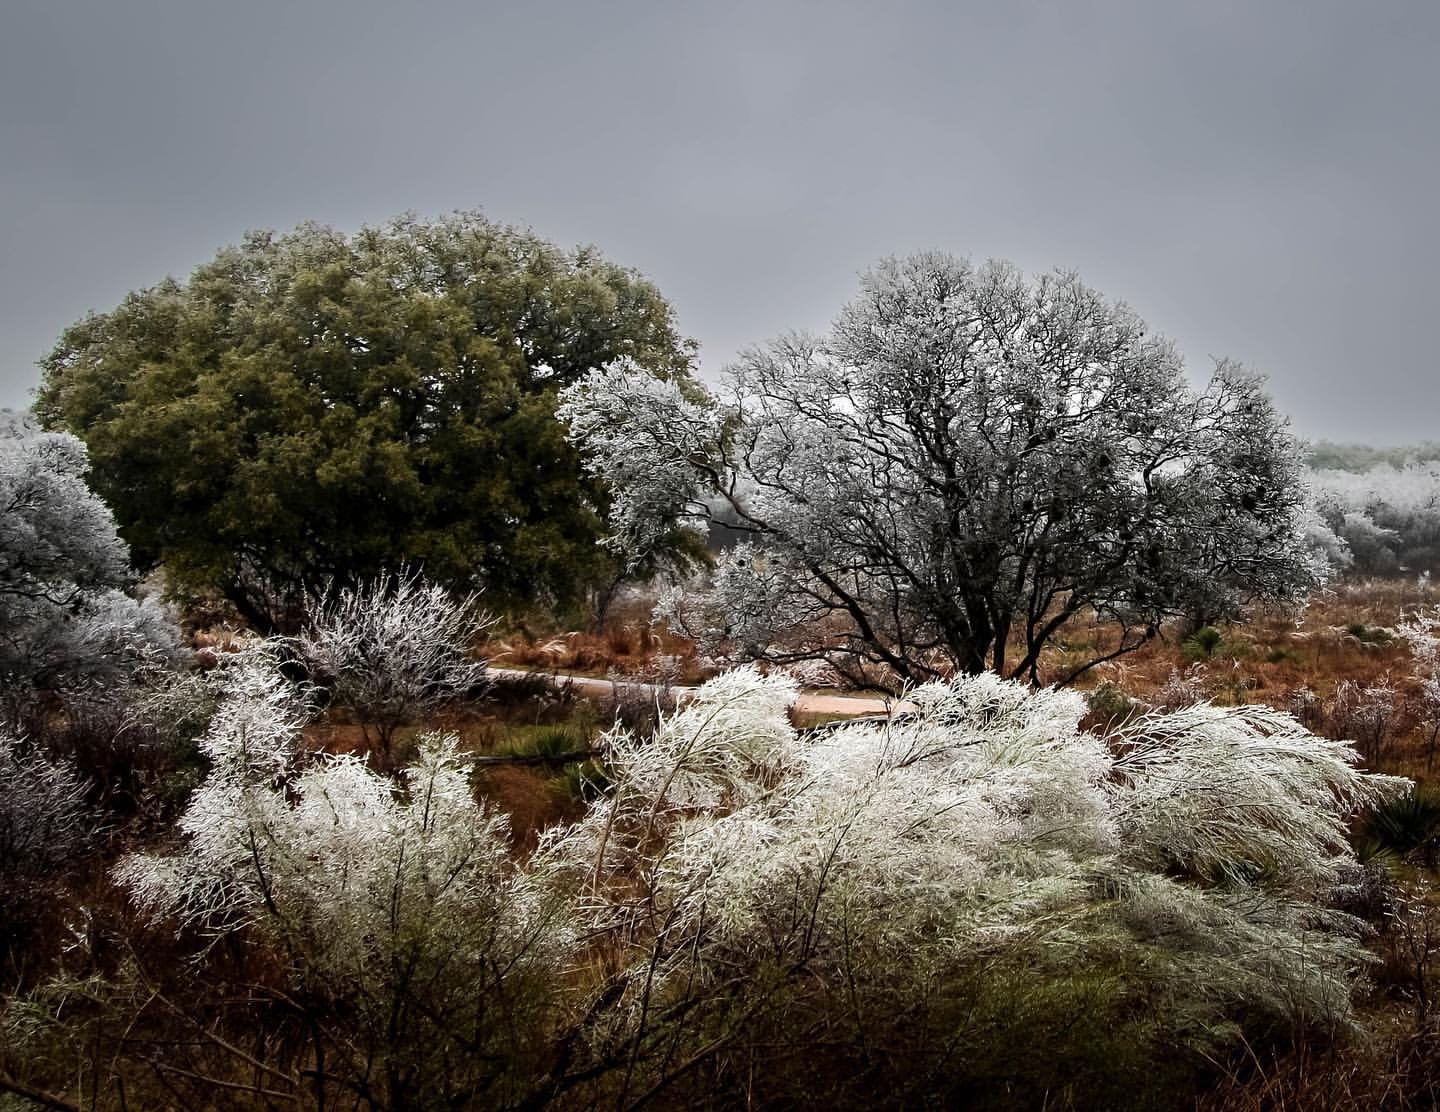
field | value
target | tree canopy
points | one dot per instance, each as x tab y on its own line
968	460
314	407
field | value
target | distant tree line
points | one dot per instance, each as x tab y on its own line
1330	455
1384	516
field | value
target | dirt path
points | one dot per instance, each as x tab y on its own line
807	703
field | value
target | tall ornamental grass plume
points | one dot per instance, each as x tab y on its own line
394	649
417	950
976	902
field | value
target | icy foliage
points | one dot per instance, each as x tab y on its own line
967	453
65	622
44	824
352	871
1232	794
984	833
394	649
1421	631
1388	518
1321	538
650	491
971	880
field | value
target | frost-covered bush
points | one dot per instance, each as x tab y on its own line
393	650
43	819
66	624
902	910
1368	715
967	459
1421	632
421	950
976	903
46	829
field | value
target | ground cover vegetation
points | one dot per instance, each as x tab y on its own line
979	902
369	850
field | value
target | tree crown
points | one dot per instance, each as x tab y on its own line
312	406
964	462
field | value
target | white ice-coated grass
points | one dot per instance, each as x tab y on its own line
987	830
982	842
1229	793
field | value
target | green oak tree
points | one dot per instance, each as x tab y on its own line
312	408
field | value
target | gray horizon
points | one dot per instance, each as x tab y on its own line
1256	181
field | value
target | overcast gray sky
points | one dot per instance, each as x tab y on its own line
1257	179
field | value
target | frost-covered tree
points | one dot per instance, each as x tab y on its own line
394	650
66	623
966	461
978	890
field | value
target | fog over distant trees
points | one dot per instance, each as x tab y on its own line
1384	507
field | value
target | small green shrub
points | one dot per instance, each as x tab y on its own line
1202	644
1402	829
588	780
1369	635
1109	705
521	740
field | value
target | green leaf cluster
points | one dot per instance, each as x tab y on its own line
313	407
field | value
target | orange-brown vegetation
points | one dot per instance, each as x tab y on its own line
1341	641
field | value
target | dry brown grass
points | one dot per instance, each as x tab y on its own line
633	648
1393	1066
1338	639
1340	643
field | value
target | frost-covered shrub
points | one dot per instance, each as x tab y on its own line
904	909
45	830
975	903
66	624
422	951
393	650
43	820
1183	689
1421	632
1369	715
